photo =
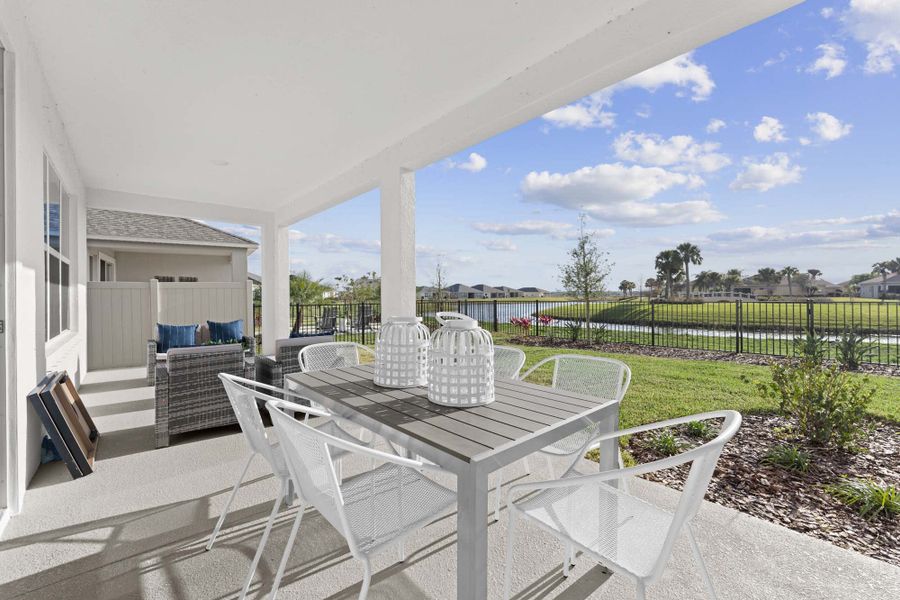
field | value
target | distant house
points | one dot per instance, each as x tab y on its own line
489	291
876	287
533	292
126	246
508	292
426	292
801	287
459	291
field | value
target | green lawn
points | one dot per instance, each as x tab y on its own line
663	388
833	316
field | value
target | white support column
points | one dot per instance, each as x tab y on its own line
398	243
275	285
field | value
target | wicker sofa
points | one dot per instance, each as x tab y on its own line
272	369
154	357
189	394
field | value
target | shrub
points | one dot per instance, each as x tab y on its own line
699	429
869	498
826	405
811	346
545	320
852	349
598	333
791	458
573	330
666	443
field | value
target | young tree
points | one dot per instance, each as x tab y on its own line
813	273
790	273
306	290
439	282
588	267
668	264
690	255
651	284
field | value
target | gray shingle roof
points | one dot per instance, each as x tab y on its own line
103	224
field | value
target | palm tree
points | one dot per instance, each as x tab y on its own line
690	255
732	278
894	264
790	273
768	276
651	284
884	269
813	273
668	263
715	280
626	286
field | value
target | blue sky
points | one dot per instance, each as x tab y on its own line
775	145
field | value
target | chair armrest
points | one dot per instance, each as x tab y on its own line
729	427
250	343
268	361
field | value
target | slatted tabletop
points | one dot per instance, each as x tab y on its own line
520	410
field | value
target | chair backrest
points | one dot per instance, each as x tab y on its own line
332	355
309	461
508	362
244	402
703	461
604	378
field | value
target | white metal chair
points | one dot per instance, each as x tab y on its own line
508	362
375	510
604	378
244	394
625	533
333	355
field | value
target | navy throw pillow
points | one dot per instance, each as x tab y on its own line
175	336
231	331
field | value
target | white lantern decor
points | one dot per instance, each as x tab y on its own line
460	362
401	353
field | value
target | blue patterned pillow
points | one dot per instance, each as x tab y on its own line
175	336
231	331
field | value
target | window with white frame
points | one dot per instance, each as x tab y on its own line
56	253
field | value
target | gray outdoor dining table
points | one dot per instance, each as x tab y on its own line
469	442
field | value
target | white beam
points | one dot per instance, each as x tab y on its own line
628	43
398	243
275	285
173	207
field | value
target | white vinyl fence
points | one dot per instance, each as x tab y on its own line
122	316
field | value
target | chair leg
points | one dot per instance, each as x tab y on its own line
367	579
701	565
527	466
234	491
549	465
499	495
401	551
262	542
287	551
340	470
641	591
510	534
567	562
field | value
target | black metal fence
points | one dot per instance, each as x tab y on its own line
746	327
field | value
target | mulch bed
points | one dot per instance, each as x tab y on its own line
682	353
797	500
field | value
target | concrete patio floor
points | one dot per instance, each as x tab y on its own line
136	529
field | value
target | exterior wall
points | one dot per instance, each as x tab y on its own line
35	129
205	264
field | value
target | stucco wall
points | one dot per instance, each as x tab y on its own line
203	263
36	129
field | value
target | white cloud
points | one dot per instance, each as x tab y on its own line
644	111
715	126
804	141
769	129
876	24
771	62
619	193
500	245
332	243
827	12
681	152
773	171
475	164
296	236
551	228
828	127
592	111
831	60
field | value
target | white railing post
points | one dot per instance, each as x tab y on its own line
154	306
398	243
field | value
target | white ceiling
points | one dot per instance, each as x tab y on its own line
157	96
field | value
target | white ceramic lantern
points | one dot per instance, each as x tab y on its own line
460	362
401	353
